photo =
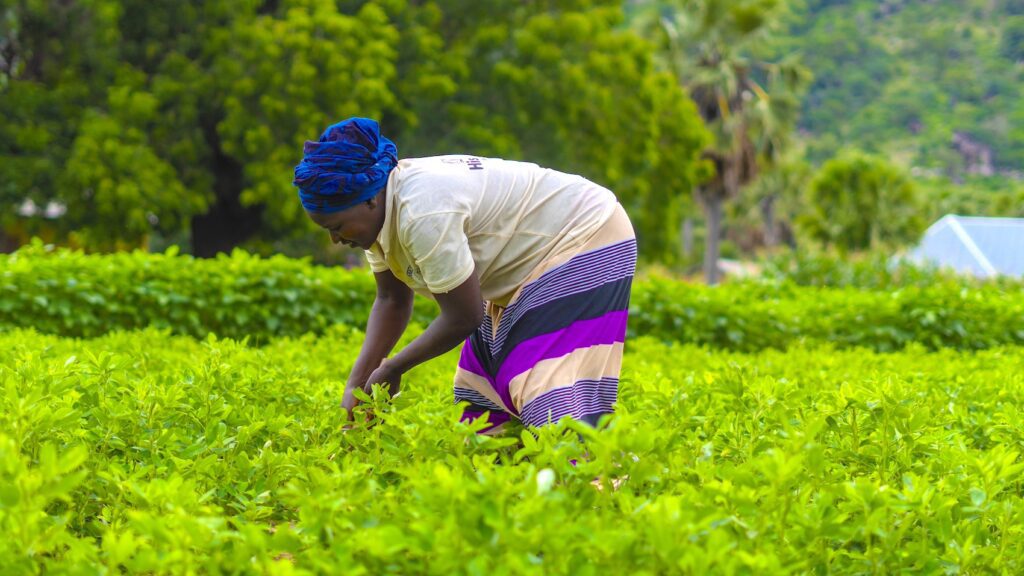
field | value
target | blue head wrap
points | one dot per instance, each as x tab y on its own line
348	165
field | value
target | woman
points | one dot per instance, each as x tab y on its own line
531	269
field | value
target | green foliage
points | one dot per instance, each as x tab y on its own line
49	51
859	202
238	295
168	118
748	101
872	271
146	453
753	316
243	296
993	197
115	176
900	78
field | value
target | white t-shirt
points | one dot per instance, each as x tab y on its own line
448	215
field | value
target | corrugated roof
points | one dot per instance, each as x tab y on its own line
977	245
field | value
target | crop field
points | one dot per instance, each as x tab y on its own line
159	451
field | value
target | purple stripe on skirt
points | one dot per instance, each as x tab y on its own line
541	298
470	363
494	418
607	329
615	262
582	398
624	251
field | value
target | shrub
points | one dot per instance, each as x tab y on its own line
243	296
75	294
873	271
755	316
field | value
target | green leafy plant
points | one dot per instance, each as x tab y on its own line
243	296
146	452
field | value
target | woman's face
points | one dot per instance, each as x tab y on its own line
357	226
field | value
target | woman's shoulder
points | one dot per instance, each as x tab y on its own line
423	188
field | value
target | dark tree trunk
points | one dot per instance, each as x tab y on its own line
224	226
227	223
713	211
787	235
268	7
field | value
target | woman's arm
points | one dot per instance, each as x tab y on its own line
389	317
462	311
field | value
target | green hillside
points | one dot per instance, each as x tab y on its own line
936	84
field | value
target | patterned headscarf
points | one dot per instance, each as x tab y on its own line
348	165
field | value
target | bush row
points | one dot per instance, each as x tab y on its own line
752	317
73	294
878	270
147	453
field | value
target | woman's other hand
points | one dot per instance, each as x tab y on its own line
386	375
349	401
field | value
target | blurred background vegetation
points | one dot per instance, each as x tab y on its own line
732	128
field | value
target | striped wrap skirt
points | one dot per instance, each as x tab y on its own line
556	349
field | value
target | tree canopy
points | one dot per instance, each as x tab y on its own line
147	123
170	118
915	81
715	48
858	201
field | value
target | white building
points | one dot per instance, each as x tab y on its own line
974	245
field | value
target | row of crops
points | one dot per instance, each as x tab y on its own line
242	296
787	448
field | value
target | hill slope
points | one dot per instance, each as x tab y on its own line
936	84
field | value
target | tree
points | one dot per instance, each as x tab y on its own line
776	197
712	47
119	178
587	97
183	117
56	58
859	202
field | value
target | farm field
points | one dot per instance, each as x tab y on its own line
822	202
158	453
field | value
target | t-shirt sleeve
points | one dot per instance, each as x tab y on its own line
439	247
377	264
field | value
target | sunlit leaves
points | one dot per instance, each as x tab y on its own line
175	454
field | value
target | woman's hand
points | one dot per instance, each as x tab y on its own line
349	401
386	375
461	313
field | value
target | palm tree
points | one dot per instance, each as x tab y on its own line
749	103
